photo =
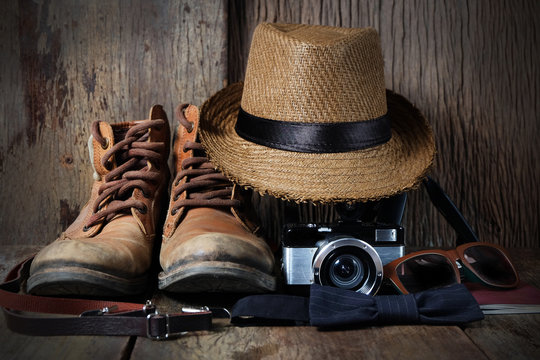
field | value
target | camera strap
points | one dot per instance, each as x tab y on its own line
450	212
326	306
330	306
91	317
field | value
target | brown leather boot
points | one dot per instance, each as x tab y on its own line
108	248
206	246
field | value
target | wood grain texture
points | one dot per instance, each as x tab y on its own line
67	63
507	336
495	337
11	255
471	67
17	346
408	342
23	347
527	264
512	336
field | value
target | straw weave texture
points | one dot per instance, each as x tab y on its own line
317	74
370	174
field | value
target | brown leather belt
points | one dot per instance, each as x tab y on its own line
94	317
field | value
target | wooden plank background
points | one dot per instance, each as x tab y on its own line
470	66
67	63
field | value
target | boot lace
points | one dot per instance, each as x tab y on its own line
204	185
132	155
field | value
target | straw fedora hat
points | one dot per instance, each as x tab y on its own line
313	120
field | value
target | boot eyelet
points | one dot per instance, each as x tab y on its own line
176	197
106	145
85	228
174	211
143	210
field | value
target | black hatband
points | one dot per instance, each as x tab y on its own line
313	137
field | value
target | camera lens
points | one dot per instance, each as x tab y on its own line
348	263
346	271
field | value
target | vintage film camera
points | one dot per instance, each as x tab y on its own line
350	254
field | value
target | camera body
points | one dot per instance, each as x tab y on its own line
349	255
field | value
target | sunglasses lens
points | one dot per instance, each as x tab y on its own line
426	271
491	265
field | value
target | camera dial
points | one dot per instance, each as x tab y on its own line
348	263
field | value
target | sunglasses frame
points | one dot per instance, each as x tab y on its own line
453	255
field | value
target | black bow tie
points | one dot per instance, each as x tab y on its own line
331	307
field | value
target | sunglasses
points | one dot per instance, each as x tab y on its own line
478	262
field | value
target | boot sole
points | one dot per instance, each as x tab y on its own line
80	281
216	276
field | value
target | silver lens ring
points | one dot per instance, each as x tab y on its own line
374	275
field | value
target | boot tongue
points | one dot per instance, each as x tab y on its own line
112	134
199	152
126	152
121	156
97	150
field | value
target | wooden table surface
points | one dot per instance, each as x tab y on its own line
495	337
